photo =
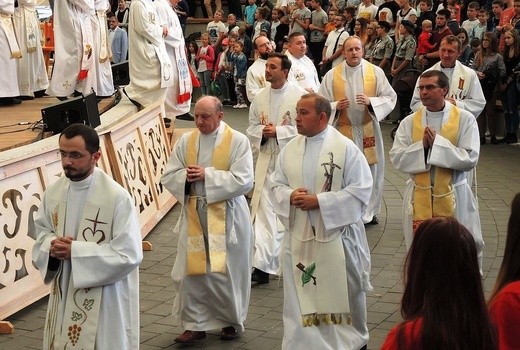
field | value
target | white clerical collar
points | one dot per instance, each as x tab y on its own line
281	89
318	137
437	114
82	184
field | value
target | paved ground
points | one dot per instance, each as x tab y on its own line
498	172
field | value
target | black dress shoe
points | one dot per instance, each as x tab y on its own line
185	116
26	98
259	276
228	333
8	101
40	93
374	221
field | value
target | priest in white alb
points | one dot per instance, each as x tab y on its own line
255	77
151	71
73	69
321	187
9	54
465	89
209	172
438	146
32	72
271	125
178	95
88	248
103	52
362	97
303	72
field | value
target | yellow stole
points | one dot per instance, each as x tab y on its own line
344	125
442	201
196	249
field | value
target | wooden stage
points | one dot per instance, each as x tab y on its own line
21	124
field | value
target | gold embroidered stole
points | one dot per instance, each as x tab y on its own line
105	51
440	202
7	24
318	257
80	321
196	250
344	124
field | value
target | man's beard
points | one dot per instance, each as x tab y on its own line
73	174
264	55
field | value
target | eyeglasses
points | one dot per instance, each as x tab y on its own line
72	155
427	87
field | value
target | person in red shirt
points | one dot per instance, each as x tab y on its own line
504	305
443	303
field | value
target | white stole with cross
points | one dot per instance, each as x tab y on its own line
319	263
80	321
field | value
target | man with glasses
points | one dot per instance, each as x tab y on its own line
88	248
465	90
438	146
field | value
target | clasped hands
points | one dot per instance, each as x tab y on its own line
428	137
304	201
195	173
61	247
361	99
269	131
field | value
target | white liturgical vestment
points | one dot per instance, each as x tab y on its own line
381	105
8	77
255	78
303	72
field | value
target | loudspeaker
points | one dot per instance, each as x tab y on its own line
120	73
82	109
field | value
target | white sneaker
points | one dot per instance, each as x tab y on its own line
240	106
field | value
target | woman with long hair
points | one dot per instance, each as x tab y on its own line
465	56
371	39
443	303
504	304
510	95
490	68
360	29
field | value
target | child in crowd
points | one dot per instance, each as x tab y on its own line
496	8
239	75
217	30
232	24
249	16
228	72
246	41
275	21
424	45
453	4
219	72
191	54
205	59
482	26
472	20
261	24
475	48
425	13
282	31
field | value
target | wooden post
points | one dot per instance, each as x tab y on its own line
6	327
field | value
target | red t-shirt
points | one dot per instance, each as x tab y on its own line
412	332
505	313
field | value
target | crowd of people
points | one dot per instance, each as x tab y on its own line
401	37
313	146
